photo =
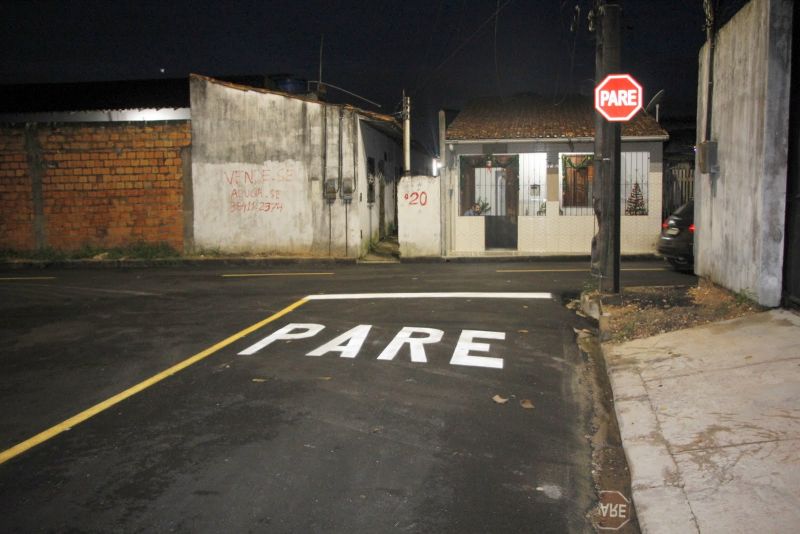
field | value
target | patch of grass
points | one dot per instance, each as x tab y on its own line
745	297
145	251
149	251
45	254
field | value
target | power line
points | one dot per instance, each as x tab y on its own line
496	68
492	17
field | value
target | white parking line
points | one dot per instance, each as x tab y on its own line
26	278
462	295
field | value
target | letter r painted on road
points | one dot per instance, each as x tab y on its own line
415	344
462	356
290	331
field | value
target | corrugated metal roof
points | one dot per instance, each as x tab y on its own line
92	96
531	116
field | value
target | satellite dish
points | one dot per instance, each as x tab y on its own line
655	103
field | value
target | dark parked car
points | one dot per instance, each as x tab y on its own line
677	238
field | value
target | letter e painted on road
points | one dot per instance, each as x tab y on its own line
462	356
290	331
348	344
415	344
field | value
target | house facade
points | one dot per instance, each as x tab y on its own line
526	162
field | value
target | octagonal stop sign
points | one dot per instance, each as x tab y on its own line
613	511
618	97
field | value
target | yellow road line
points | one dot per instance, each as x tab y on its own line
141	386
15	278
253	275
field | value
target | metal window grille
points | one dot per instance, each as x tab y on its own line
635	183
532	184
577	184
490	190
678	188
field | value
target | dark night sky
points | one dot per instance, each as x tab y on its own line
441	51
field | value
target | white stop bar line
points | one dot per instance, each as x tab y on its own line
366	296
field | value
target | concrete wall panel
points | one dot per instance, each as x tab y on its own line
740	210
419	207
260	162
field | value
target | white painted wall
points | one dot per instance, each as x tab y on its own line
470	235
419	206
259	162
740	211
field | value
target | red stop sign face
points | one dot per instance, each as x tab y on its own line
613	511
618	98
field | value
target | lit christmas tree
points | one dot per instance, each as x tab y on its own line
635	204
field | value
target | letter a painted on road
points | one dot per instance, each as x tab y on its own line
348	344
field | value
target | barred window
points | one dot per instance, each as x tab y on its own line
635	184
577	183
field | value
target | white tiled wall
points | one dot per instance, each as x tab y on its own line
565	234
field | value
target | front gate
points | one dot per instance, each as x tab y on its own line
678	188
492	183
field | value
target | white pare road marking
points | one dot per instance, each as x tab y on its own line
462	295
349	344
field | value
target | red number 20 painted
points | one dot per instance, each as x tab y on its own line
417	198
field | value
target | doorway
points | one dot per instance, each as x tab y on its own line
492	183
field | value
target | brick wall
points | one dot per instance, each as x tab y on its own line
16	196
101	184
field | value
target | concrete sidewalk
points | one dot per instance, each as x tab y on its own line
710	423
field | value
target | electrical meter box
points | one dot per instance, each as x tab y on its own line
347	189
330	189
371	189
707	157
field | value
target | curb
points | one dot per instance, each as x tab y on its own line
134	263
592	305
520	259
169	262
653	497
657	489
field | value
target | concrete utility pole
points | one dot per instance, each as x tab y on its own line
711	28
406	135
606	197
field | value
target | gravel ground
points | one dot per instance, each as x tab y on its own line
647	311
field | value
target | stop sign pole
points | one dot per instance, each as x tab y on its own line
606	198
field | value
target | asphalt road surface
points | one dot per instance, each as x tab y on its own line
297	399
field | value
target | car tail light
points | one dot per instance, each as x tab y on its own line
691	228
665	224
